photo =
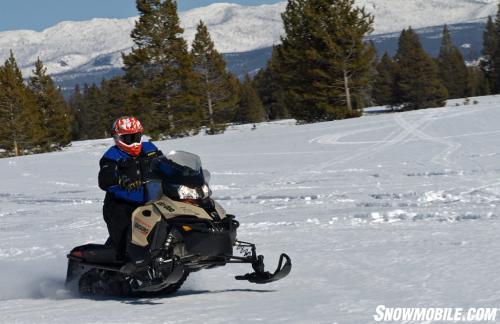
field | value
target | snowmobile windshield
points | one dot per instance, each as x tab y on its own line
191	162
180	168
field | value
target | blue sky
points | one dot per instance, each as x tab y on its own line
40	14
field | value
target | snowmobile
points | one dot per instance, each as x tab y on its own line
180	230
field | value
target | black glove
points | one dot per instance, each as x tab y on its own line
129	184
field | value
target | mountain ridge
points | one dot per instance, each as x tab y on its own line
74	46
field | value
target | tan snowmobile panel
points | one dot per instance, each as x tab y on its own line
144	220
170	209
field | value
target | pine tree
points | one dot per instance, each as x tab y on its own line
55	119
490	62
325	61
477	83
97	117
18	115
160	70
384	87
418	82
269	87
235	84
452	68
91	114
75	107
116	100
490	45
220	97
495	58
250	109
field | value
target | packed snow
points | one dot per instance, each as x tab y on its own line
98	43
395	209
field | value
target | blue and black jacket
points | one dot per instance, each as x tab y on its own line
115	163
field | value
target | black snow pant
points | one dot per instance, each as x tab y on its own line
117	215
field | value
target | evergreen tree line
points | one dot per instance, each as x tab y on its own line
33	114
324	70
490	62
173	91
414	80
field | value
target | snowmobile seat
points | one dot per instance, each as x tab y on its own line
97	253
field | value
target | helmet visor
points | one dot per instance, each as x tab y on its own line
130	139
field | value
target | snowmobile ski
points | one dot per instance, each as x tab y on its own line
263	277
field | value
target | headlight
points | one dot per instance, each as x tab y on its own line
206	191
196	193
187	193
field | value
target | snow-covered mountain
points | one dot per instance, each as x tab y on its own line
394	15
78	45
97	44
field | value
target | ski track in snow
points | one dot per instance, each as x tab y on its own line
394	209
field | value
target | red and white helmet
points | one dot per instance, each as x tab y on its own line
127	133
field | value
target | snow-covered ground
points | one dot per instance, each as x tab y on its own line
393	209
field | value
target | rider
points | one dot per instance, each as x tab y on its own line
124	169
